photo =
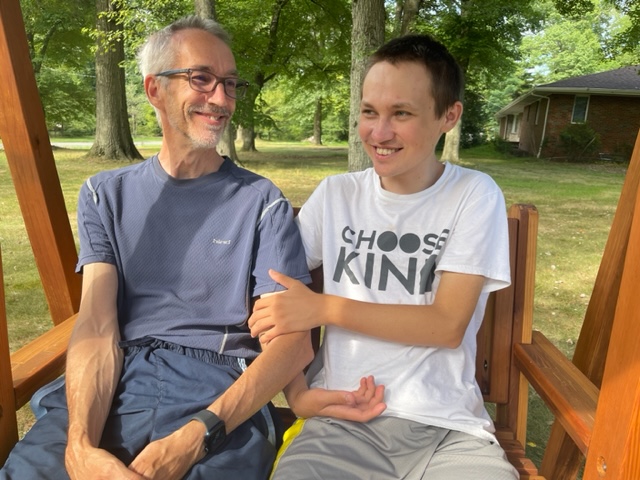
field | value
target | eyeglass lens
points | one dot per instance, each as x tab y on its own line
206	82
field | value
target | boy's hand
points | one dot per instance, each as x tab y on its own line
297	309
358	406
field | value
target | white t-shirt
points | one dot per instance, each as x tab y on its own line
377	246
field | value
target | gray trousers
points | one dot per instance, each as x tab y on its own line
388	448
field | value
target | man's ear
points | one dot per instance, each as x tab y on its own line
452	116
153	88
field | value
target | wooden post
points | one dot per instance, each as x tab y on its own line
614	452
26	142
562	458
8	424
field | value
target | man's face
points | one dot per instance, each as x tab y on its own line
398	125
197	118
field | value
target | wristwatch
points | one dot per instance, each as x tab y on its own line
216	432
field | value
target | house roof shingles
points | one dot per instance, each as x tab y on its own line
625	78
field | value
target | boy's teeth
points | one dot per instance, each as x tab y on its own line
384	151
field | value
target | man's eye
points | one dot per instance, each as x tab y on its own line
201	78
231	83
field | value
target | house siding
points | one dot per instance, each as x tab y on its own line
616	119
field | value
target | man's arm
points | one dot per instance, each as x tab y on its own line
94	362
441	324
281	360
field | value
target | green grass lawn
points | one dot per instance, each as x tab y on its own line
576	203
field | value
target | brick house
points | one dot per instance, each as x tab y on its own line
608	102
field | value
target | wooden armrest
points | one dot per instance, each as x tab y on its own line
40	361
568	393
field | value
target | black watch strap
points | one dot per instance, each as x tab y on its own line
216	431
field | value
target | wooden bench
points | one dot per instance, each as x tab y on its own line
595	397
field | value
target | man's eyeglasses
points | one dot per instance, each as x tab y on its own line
205	82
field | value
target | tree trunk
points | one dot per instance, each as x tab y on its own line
317	123
227	145
406	14
451	150
205	8
113	135
367	34
248	137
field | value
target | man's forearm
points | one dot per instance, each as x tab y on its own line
93	369
279	363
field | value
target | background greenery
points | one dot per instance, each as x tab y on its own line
576	204
296	54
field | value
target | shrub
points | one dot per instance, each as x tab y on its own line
579	141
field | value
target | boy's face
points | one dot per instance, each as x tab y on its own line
399	128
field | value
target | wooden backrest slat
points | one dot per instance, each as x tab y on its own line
495	334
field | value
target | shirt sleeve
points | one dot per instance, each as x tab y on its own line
310	221
95	245
479	241
278	247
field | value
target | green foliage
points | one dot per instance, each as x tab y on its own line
62	60
291	111
569	47
579	141
501	145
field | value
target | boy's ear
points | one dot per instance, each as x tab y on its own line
452	116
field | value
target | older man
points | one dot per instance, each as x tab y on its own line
163	378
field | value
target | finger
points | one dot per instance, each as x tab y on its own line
282	279
259	327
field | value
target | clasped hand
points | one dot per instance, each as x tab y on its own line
297	309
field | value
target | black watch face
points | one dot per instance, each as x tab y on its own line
215	437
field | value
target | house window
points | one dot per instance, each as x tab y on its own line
515	123
580	106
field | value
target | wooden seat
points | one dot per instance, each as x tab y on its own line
595	398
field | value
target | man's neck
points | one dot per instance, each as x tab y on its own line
193	163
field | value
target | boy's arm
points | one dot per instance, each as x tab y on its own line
359	406
441	324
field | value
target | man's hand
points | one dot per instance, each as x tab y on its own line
297	309
97	464
359	406
171	457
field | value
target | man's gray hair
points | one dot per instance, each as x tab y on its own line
157	53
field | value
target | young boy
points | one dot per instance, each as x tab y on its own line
410	250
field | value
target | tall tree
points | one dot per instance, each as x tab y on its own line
406	14
367	34
113	135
